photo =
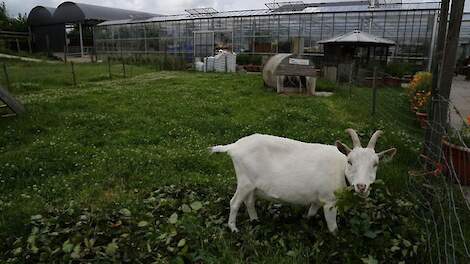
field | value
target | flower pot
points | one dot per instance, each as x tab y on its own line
392	81
369	82
422	119
253	68
457	158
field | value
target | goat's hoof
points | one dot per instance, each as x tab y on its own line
254	220
334	232
233	229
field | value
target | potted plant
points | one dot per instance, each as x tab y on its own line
420	104
457	154
419	92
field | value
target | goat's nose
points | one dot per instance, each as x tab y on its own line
361	187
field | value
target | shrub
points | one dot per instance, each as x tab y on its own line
420	90
324	85
401	69
246	59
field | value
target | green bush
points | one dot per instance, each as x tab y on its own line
399	69
324	85
245	59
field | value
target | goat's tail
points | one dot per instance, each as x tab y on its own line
220	148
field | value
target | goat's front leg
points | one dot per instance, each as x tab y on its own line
330	212
312	211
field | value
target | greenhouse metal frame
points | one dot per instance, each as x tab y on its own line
264	32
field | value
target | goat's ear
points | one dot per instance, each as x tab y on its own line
387	155
342	147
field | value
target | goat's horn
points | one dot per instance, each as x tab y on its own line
355	138
373	139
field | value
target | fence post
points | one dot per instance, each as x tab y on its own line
18	45
29	46
73	74
7	78
374	91
123	68
65	53
350	79
109	69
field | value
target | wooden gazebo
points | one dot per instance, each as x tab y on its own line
346	53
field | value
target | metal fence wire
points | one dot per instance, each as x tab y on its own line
440	186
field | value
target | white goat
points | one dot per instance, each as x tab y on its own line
290	171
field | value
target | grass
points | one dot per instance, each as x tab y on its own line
27	77
140	144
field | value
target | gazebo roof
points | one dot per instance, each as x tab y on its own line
357	37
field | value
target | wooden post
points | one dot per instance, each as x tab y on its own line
440	109
18	48
280	84
65	54
311	85
48	45
29	46
73	74
11	103
350	79
82	53
431	136
109	69
7	78
374	92
123	68
30	36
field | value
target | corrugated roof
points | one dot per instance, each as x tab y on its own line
70	12
41	15
262	12
358	37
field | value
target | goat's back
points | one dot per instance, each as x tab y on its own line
288	169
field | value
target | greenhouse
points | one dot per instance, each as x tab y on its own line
200	32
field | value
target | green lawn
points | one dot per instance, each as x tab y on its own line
114	171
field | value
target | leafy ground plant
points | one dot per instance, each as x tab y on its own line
187	224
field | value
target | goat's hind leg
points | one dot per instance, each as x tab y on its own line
237	199
250	206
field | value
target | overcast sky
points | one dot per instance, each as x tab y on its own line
155	6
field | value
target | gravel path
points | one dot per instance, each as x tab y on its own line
460	97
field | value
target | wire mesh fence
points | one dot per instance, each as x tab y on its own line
19	76
440	182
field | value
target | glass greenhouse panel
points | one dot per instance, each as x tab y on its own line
266	32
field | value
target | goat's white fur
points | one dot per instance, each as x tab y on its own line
291	171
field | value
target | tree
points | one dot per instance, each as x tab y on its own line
8	23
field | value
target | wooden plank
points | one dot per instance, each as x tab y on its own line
12	103
296	70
